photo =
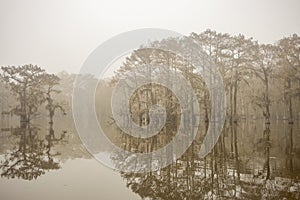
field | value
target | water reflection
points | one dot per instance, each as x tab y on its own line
32	155
37	148
250	161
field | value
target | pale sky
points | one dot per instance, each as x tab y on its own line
59	35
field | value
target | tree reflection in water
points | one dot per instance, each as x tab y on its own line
32	156
226	173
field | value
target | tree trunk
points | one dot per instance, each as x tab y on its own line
267	101
267	150
235	91
23	113
236	152
231	104
291	121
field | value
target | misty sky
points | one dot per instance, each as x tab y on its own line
59	35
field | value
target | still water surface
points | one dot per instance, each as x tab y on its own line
250	161
77	179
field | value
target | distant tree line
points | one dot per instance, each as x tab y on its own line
261	80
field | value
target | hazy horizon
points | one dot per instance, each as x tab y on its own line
59	35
